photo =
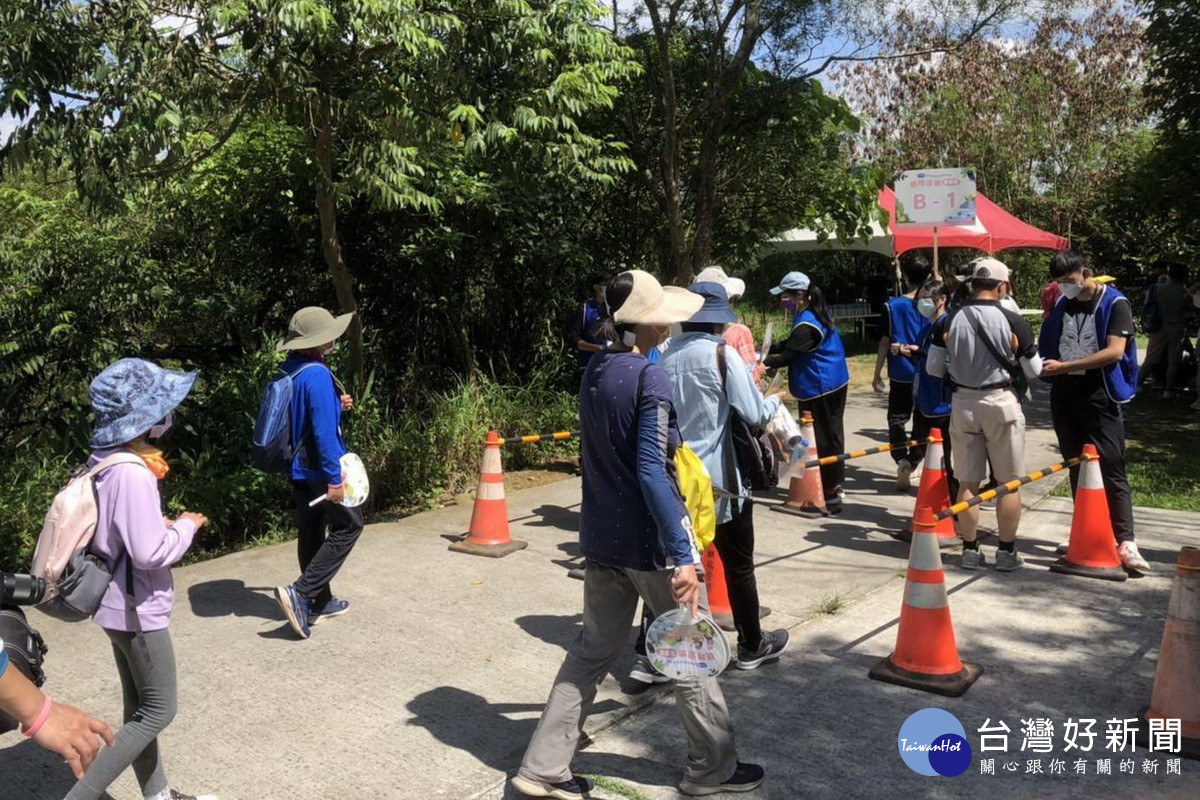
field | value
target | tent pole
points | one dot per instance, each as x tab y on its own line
936	272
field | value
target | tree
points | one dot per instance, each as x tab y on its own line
382	92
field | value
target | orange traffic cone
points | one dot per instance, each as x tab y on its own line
934	491
717	588
488	534
1176	693
806	496
1092	552
926	656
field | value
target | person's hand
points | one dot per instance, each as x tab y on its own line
73	735
199	520
685	587
336	494
907	349
1050	368
878	385
347	402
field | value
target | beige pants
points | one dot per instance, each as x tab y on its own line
987	425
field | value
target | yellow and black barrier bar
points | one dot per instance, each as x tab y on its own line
870	451
1011	486
539	437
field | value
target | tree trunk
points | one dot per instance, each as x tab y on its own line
331	248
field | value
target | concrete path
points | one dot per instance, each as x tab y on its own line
431	686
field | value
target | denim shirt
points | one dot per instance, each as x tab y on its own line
703	409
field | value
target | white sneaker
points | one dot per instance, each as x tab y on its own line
904	471
1131	559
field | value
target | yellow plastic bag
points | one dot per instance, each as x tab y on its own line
697	489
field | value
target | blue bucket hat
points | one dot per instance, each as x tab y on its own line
716	308
132	396
792	282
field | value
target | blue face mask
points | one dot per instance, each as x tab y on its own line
926	307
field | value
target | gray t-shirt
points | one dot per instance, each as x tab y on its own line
971	363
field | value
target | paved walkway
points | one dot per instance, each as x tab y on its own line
432	685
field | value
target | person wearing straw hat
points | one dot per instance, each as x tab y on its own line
328	530
133	402
636	535
737	334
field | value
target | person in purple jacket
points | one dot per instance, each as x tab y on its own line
328	530
133	402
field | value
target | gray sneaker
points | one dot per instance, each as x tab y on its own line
1007	561
904	471
973	559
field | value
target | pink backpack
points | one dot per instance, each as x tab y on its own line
76	579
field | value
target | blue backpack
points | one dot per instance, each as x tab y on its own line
272	449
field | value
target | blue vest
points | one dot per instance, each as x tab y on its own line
591	316
931	394
823	370
908	327
1120	379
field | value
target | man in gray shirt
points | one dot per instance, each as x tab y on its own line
986	349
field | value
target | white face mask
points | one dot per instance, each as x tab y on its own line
1071	290
157	431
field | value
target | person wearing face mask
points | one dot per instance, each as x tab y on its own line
133	402
328	530
1090	360
635	532
901	331
986	349
931	396
817	373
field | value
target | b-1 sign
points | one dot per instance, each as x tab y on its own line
935	197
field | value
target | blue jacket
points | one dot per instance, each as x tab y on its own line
1120	378
907	326
591	314
823	370
930	393
316	423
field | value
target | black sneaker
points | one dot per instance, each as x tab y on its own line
746	778
772	647
567	790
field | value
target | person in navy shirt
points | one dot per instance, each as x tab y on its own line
581	333
636	535
901	330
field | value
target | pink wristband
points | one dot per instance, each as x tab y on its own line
41	718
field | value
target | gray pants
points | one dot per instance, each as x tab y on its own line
610	596
148	686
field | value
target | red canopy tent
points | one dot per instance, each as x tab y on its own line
994	229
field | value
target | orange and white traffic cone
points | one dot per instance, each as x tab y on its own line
806	495
1176	692
934	492
926	656
488	534
1092	552
717	588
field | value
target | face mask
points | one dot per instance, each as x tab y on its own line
328	349
926	307
157	431
629	338
1070	290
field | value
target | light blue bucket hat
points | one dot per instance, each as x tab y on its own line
132	396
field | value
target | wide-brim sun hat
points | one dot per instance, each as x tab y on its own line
132	396
792	282
716	308
734	287
651	303
312	327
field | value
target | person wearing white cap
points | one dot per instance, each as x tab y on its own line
817	373
737	334
635	532
989	352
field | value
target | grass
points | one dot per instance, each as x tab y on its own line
614	786
830	604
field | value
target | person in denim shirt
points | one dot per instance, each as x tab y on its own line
705	400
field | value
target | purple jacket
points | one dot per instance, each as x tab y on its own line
131	522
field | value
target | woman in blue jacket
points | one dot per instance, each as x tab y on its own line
817	373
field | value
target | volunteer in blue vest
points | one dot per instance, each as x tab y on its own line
931	395
581	333
1090	359
901	330
817	373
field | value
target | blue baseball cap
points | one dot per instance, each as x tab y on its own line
716	308
793	282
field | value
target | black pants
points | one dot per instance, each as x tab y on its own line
827	411
735	545
922	425
321	555
900	410
1083	414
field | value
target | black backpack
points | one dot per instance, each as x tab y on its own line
751	447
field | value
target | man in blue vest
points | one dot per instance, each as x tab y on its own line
1090	359
901	329
581	331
